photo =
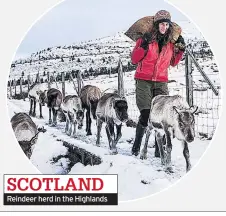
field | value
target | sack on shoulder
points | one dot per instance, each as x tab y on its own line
145	24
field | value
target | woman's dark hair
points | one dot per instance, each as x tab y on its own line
157	36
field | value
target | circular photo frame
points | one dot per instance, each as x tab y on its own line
102	88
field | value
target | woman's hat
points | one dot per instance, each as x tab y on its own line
162	16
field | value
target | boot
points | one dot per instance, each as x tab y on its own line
140	130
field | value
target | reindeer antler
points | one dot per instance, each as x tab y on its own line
43	130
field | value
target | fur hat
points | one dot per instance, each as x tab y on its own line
162	16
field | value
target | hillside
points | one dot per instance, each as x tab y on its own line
95	56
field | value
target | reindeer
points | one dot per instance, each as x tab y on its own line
34	95
26	132
171	112
90	96
54	100
72	108
111	109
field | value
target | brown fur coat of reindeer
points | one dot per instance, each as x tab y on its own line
171	112
90	96
112	110
72	108
26	132
54	100
34	95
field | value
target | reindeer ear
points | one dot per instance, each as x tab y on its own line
177	110
38	92
194	109
42	129
113	103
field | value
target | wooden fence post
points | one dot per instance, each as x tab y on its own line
21	89
48	79
31	80
15	86
207	79
63	84
10	88
79	80
71	78
38	78
110	72
121	91
28	83
189	80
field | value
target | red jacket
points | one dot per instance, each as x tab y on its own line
152	65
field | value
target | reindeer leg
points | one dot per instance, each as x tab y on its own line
161	147
143	154
99	127
118	137
40	109
31	103
74	127
186	156
89	121
86	120
70	124
55	116
34	111
168	148
69	132
157	154
81	125
67	125
110	135
50	118
119	133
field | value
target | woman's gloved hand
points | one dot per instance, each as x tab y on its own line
146	38
180	43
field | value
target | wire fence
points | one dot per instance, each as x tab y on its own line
202	95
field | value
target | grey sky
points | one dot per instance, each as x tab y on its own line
77	20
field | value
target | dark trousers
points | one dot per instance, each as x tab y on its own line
145	92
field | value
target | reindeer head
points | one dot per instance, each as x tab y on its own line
27	145
121	107
79	118
42	97
185	123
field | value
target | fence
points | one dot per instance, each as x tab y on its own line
198	88
187	79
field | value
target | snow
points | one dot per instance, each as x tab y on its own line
147	176
131	170
110	48
137	178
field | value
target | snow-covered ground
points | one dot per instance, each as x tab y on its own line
137	178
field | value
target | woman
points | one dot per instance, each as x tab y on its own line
153	53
